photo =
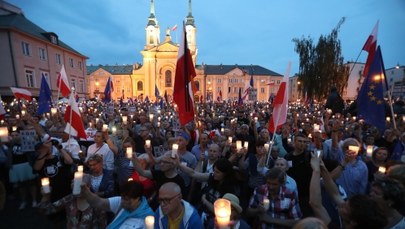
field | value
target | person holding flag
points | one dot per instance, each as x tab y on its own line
109	88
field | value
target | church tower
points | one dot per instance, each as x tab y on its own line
152	29
191	31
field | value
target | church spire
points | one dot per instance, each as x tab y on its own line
152	19
189	18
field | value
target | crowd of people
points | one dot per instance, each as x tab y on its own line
322	168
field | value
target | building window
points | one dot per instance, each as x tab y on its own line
80	65
262	90
168	78
197	85
54	40
139	86
71	62
42	54
58	59
229	89
29	76
278	81
26	48
73	83
235	90
81	86
47	78
219	89
219	81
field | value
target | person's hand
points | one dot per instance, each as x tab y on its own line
315	162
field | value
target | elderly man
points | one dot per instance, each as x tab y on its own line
173	212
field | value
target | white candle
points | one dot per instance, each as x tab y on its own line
318	153
238	145
23	113
124	120
354	148
147	143
245	144
17	116
45	185
97	119
256	118
14	128
267	146
114	130
266	204
4	134
129	152
222	130
316	128
222	208
230	139
80	168
388	119
381	169
77	181
150	117
53	110
105	127
369	151
150	222
158	124
175	147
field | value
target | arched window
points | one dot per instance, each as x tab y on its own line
168	78
197	85
140	86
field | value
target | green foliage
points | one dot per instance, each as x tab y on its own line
321	66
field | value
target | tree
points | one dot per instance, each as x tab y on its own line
321	67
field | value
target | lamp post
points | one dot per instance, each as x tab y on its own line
298	90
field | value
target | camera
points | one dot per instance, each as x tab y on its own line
56	144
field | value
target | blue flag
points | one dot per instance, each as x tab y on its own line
251	80
370	101
45	98
109	88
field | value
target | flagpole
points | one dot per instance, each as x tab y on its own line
71	113
60	81
355	62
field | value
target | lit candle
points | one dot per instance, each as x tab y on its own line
147	143
97	119
130	179
369	151
230	140
4	134
53	110
266	204
222	130
158	124
267	146
388	119
129	152
80	168
246	144
45	185
150	222
14	128
114	130
77	181
222	209
381	169
17	116
23	113
150	117
124	120
105	127
329	111
238	145
256	118
354	148
175	147
316	128
403	118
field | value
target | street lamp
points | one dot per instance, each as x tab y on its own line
96	92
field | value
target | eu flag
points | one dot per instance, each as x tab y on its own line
370	101
45	98
157	93
109	88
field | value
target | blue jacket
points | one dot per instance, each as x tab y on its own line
191	218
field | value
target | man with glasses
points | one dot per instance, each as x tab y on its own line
173	211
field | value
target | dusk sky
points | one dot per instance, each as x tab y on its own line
258	32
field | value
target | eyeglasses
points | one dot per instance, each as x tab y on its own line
167	200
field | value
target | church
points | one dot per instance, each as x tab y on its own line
156	75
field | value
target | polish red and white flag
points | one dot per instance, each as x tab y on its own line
20	93
62	82
74	123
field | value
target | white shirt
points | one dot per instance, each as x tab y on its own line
105	151
73	147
